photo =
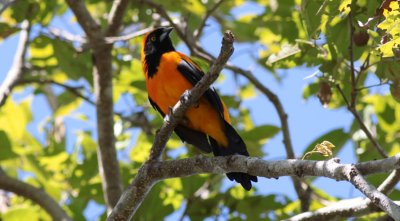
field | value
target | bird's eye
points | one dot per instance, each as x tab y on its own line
153	38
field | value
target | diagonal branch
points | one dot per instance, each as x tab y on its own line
360	121
5	5
112	39
302	189
340	210
353	207
91	28
142	184
390	182
35	194
352	104
16	70
190	98
203	24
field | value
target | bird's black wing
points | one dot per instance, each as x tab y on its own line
193	75
196	138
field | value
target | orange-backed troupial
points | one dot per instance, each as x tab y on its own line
207	125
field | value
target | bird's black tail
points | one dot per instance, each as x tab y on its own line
236	146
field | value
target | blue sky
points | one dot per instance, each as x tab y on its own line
307	119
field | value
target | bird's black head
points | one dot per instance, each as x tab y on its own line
158	42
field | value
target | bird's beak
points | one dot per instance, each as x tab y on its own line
165	33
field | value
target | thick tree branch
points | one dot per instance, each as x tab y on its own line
136	192
16	70
102	80
153	171
35	194
269	169
91	28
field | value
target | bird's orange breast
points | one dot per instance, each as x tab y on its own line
165	89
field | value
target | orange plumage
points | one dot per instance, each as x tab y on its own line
207	125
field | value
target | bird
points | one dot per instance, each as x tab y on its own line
207	125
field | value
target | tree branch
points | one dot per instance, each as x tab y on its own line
126	37
390	182
91	28
153	171
5	5
209	12
35	194
102	81
340	210
137	119
353	207
143	182
360	121
16	70
302	189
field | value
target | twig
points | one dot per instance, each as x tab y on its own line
16	70
352	70
390	182
143	182
374	85
73	89
35	194
63	34
160	9
110	40
137	119
203	23
362	124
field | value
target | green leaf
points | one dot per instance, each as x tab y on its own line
15	117
141	150
75	65
345	7
6	30
22	212
257	137
6	151
311	12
